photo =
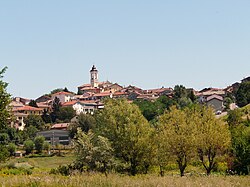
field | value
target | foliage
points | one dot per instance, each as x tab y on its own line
4	102
94	153
151	110
33	103
39	142
56	90
35	121
11	148
212	136
241	149
127	130
29	132
234	117
4	138
46	146
56	105
178	127
46	116
4	153
243	94
65	114
85	121
29	146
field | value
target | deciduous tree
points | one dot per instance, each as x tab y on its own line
127	130
4	102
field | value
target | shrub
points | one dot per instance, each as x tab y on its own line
39	141
11	148
28	146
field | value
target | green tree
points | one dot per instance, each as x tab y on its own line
178	127
243	94
39	142
29	132
85	121
29	146
4	153
65	114
33	103
4	138
46	146
234	117
212	136
127	130
4	102
46	116
94	153
56	90
35	121
56	105
11	148
180	92
241	149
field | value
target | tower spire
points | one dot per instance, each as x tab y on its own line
94	77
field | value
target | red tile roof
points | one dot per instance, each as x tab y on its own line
214	97
28	108
60	126
70	103
62	93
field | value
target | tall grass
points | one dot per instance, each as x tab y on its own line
98	180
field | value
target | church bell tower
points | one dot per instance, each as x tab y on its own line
94	77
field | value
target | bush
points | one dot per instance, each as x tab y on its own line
4	153
39	141
11	148
29	146
63	170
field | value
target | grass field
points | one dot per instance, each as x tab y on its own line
97	180
40	177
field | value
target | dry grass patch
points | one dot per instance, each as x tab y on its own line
97	180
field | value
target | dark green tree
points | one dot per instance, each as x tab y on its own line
65	89
65	114
35	121
4	102
85	122
4	153
46	116
243	94
33	103
56	90
56	105
11	148
4	138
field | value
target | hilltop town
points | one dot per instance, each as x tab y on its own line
90	95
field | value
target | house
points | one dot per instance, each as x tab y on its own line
216	102
60	126
28	110
113	88
62	96
86	107
55	136
43	98
18	121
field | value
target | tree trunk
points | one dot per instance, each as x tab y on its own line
161	171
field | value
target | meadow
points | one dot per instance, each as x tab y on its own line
42	165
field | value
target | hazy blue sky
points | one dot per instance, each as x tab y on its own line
48	44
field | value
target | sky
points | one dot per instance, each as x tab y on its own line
52	44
